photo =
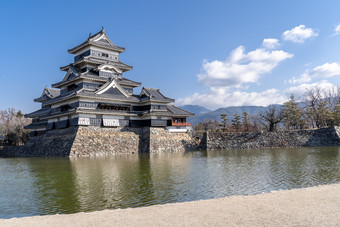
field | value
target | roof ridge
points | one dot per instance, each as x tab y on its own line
157	89
56	89
93	40
92	36
178	108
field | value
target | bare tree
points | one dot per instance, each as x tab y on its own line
271	118
312	99
12	125
321	106
331	96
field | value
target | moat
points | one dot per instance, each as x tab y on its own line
39	186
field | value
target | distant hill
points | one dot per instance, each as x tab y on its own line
196	109
216	114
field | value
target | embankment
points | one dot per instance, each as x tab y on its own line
95	141
260	140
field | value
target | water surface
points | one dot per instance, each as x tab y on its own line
38	186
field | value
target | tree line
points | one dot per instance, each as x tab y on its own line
12	129
318	108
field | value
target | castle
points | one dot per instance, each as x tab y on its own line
94	92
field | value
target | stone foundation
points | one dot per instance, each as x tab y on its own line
52	143
96	141
284	139
163	141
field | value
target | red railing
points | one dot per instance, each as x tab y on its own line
181	124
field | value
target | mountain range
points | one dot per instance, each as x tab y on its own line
202	113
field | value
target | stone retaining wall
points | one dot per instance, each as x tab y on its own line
96	141
163	141
53	143
284	139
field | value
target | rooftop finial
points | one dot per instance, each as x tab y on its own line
90	34
103	30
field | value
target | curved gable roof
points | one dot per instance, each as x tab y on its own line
100	39
48	93
153	94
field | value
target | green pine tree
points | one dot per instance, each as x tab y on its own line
224	122
293	115
245	120
236	122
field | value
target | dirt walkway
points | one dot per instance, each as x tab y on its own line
316	206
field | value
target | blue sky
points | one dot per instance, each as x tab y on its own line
209	53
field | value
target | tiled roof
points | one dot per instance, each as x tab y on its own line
88	76
59	114
97	61
171	111
105	42
61	98
37	113
111	96
124	81
36	125
53	92
94	77
176	111
153	95
75	70
48	93
108	112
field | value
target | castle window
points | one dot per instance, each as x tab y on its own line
105	55
71	87
113	107
64	108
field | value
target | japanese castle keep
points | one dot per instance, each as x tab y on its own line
94	110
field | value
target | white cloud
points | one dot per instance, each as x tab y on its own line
227	81
270	43
337	30
305	77
299	34
241	67
326	70
222	97
300	90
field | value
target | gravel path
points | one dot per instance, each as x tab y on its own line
316	206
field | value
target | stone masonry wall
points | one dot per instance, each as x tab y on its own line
53	143
162	140
284	139
97	141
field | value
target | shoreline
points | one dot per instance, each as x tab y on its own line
315	206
